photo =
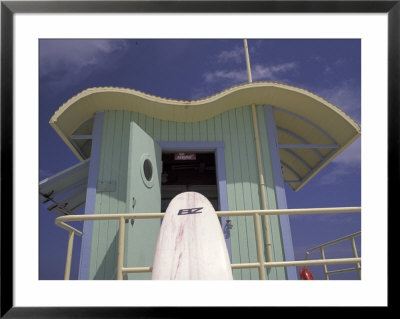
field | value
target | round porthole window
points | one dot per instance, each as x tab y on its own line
147	170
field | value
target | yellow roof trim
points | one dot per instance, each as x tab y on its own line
66	141
295	100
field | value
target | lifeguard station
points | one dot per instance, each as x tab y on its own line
237	148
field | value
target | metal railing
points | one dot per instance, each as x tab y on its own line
260	264
322	247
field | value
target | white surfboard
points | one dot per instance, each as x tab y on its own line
191	245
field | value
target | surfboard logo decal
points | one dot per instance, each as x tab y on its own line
188	211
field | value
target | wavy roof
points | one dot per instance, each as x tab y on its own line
301	118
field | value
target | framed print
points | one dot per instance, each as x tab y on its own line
121	105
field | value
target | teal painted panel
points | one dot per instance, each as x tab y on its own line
188	132
253	178
96	224
143	195
112	226
242	132
211	130
203	131
123	166
157	130
103	243
218	128
142	121
135	117
123	142
224	132
164	131
100	235
149	126
180	132
251	158
171	131
239	193
196	131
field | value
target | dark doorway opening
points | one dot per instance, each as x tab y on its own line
188	172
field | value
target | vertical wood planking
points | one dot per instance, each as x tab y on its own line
277	248
253	178
180	132
172	131
218	128
116	149
164	131
102	270
142	121
210	134
267	164
188	132
245	195
287	243
123	168
157	130
264	145
90	205
238	181
196	131
247	198
230	188
109	119
96	224
135	117
252	158
149	126
203	131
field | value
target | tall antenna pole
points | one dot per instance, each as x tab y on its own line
260	169
246	52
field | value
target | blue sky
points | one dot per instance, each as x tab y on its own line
192	69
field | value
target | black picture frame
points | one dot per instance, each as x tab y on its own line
9	8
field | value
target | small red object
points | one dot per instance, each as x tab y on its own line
305	274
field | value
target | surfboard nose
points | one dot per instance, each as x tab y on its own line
191	244
189	200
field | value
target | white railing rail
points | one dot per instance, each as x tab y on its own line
322	247
260	264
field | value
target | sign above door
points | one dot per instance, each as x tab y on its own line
184	156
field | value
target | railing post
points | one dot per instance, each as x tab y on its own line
325	267
260	253
69	255
353	243
121	242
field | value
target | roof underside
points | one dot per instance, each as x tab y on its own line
311	131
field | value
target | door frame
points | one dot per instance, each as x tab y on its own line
219	149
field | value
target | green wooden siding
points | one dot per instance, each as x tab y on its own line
275	230
235	129
113	167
